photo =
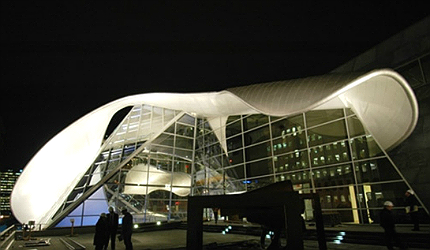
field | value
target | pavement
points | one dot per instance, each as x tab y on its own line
176	239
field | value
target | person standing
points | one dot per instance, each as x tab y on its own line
102	234
113	226
412	208
127	228
387	222
215	211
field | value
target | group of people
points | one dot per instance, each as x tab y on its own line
388	221
107	227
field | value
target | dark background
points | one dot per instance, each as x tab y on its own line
61	61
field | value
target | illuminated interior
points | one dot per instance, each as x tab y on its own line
326	134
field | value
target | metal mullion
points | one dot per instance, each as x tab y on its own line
353	166
309	153
243	152
193	156
172	172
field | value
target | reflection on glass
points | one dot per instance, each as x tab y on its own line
364	147
156	181
259	168
234	143
376	170
321	116
326	133
235	172
288	143
355	127
258	182
296	178
257	135
292	161
258	151
288	126
253	121
333	176
234	126
183	130
328	154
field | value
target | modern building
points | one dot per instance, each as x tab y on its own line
329	134
7	182
407	52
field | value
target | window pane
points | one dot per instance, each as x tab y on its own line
296	178
234	143
235	186
253	121
292	161
355	127
236	157
376	170
333	176
334	131
263	167
287	126
259	182
257	135
184	130
187	119
321	116
186	143
338	200
164	139
188	154
289	143
233	128
364	147
348	111
237	173
258	151
330	154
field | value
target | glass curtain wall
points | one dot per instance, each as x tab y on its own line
144	166
324	151
157	157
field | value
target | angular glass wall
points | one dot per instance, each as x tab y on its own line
144	166
157	157
324	151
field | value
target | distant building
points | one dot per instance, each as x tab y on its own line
7	182
330	134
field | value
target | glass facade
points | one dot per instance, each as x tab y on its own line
157	157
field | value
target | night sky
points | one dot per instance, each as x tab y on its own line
59	62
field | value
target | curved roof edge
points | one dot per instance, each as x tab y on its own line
77	146
382	91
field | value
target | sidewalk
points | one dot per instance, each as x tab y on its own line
176	239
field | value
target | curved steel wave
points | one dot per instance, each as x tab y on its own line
382	99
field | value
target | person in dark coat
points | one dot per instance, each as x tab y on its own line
101	237
387	222
113	226
127	229
412	208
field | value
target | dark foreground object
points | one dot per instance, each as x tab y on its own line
276	207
